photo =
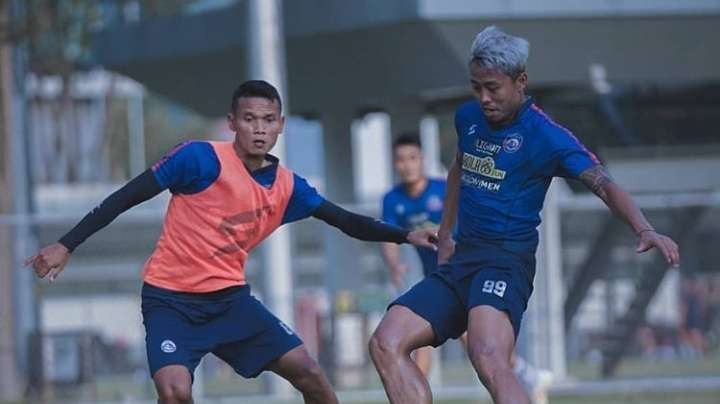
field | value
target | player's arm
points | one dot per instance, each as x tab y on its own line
597	179
446	245
51	260
391	251
391	256
370	229
188	168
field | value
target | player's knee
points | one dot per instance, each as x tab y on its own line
173	384
383	344
488	358
174	392
310	376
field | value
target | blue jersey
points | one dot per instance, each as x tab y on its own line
423	211
193	166
506	173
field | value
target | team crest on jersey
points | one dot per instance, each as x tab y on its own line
399	209
512	143
434	203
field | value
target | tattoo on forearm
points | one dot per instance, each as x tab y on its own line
596	178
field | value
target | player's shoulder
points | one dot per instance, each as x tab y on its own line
188	152
194	148
468	110
541	123
298	179
437	183
393	194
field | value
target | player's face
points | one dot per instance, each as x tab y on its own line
257	123
500	95
408	162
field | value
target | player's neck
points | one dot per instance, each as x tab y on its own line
416	188
252	162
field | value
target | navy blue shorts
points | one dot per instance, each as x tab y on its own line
181	328
477	275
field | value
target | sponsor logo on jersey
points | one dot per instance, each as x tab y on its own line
484	166
418	220
476	182
487	147
472	129
399	209
512	143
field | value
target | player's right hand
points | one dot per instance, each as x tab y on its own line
446	248
423	238
49	261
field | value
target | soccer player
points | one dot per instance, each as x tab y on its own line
509	151
415	203
226	198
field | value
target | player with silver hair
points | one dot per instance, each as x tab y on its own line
508	152
494	49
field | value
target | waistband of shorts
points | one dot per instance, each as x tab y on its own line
232	291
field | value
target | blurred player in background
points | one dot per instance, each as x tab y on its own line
508	152
226	198
415	203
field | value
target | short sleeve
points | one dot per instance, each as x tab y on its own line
570	156
389	214
190	167
303	201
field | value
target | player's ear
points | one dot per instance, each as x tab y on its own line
521	81
282	123
231	121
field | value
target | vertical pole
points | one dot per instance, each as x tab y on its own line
19	301
136	135
10	389
266	61
430	138
545	333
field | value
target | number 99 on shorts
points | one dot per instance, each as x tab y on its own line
495	287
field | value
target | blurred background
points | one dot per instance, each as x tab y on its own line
93	92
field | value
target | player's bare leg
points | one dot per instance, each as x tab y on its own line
535	382
304	374
491	341
400	332
423	359
174	385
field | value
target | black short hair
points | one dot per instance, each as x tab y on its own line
255	88
407	139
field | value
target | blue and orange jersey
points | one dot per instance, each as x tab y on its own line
413	213
218	212
506	173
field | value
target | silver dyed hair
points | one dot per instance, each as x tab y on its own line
494	49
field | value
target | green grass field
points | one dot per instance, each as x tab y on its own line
124	387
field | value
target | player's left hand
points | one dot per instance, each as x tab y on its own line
424	238
666	245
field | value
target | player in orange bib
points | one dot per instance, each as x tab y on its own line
226	198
